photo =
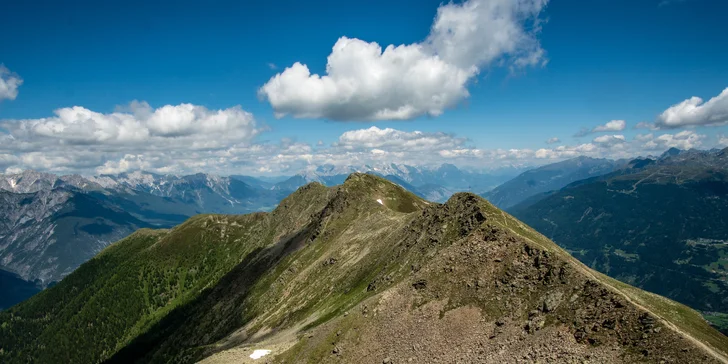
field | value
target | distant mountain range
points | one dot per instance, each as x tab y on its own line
658	223
46	234
364	272
51	224
548	178
432	183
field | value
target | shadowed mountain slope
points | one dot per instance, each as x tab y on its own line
361	272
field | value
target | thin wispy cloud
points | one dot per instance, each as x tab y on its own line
553	140
610	126
9	83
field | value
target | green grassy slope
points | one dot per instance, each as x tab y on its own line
135	282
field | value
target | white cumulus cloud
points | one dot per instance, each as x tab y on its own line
614	125
687	139
553	140
695	112
9	83
364	81
610	139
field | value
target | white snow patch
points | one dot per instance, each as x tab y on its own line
380	201
259	353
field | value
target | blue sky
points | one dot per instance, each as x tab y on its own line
603	60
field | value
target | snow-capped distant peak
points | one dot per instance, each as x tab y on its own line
28	181
104	181
140	178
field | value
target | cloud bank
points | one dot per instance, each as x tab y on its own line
183	139
172	137
184	126
687	139
365	82
393	139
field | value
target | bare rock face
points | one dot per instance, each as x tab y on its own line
26	231
32	181
27	182
48	227
46	234
552	301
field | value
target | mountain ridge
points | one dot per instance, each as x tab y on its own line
350	264
674	204
161	200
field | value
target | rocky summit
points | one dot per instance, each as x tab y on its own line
363	272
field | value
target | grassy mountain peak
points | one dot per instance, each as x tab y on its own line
371	189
